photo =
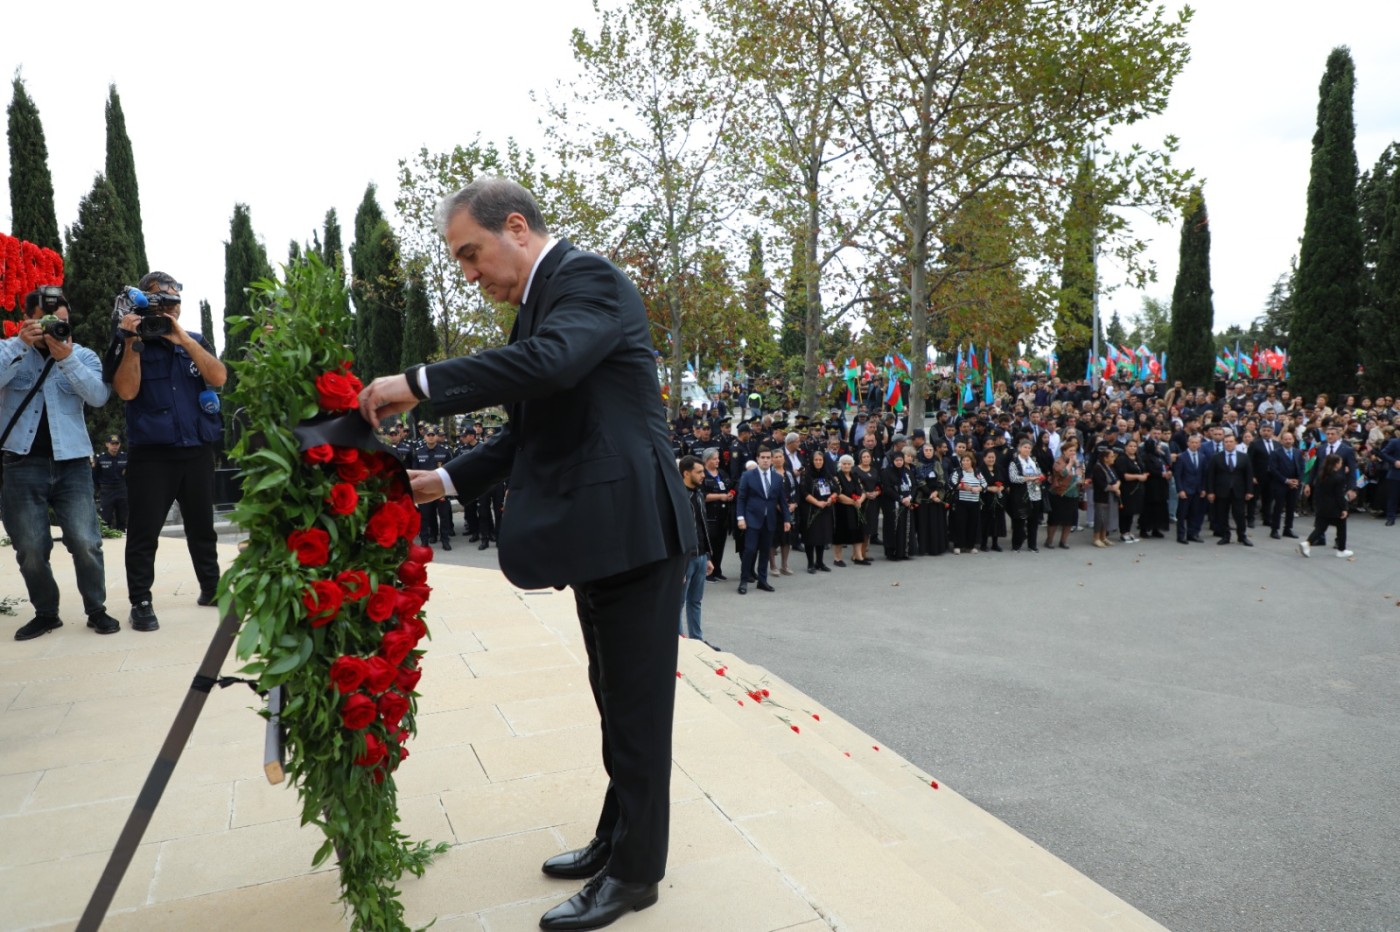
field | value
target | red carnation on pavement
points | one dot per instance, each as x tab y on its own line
933	783
679	674
343	498
382	604
720	671
816	716
380	675
312	546
337	391
374	751
765	693
347	673
796	729
359	710
355	583
322	601
321	453
875	746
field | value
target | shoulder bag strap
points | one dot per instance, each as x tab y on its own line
25	403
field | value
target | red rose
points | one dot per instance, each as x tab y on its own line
343	498
420	554
383	526
344	455
378	775
412	521
347	673
321	453
355	583
378	462
312	546
374	750
358	711
410	604
408	678
415	627
392	707
403	756
382	603
398	488
12	329
337	391
322	602
381	675
420	593
353	472
412	574
396	645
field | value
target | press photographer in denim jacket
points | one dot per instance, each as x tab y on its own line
47	462
173	430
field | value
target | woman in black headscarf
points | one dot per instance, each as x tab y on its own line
897	483
1156	462
1130	502
930	511
818	494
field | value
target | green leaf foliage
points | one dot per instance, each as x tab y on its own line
121	171
1192	353
31	185
295	332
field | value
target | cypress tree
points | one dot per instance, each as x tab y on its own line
1115	332
206	324
121	172
1380	318
363	271
419	337
1324	339
1074	320
384	302
1192	348
31	185
792	343
99	261
332	253
245	261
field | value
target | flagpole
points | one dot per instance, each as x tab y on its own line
1095	355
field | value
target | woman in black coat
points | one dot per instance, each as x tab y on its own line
1024	479
897	483
1156	462
818	494
993	523
1134	477
930	512
1330	507
869	478
719	497
783	542
849	527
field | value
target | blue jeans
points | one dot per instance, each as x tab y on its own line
693	590
33	485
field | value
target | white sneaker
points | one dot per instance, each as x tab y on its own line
956	551
974	550
1304	548
1343	554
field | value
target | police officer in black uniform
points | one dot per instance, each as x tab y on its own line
490	505
398	439
466	442
109	475
437	516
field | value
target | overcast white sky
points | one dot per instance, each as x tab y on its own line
293	110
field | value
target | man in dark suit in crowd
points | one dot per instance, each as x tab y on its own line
1189	472
596	503
762	505
1335	445
1229	479
1261	448
1285	478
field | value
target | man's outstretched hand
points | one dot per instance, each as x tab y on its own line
384	397
426	485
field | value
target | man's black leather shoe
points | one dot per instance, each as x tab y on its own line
581	863
1275	535
207	597
601	902
1181	540
1246	542
765	587
1195	539
103	623
143	617
1288	532
743	589
36	626
446	544
1223	541
485	545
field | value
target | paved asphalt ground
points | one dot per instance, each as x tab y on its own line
1209	732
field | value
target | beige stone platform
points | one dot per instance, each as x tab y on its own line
771	829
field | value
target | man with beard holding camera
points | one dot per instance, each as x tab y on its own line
173	431
45	379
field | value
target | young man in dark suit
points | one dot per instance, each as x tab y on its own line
1285	478
1261	449
1229	479
596	503
1189	472
761	507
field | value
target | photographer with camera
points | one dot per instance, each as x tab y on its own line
45	379
164	373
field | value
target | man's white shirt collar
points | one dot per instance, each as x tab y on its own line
529	282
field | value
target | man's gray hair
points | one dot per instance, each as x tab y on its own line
710	454
791	437
490	200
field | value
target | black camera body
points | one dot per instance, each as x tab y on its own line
52	326
153	324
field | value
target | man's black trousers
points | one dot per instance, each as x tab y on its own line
155	479
629	631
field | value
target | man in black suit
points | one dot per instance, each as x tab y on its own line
1189	471
1229	479
596	503
1335	445
1285	478
761	507
1261	449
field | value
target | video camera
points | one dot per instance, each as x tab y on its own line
148	305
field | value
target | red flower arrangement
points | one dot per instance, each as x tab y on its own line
312	546
322	601
338	391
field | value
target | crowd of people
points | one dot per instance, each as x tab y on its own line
1126	462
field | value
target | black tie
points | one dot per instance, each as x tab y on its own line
1231	458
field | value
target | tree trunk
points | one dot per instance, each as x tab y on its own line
813	329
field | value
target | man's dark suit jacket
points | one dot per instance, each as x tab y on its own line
594	490
1190	479
1348	456
757	510
1221	480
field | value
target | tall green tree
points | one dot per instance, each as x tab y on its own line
1152	325
1325	337
792	337
1380	318
121	171
1192	354
1276	322
1115	331
31	185
363	272
99	261
245	262
419	338
332	251
1074	318
206	324
381	303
